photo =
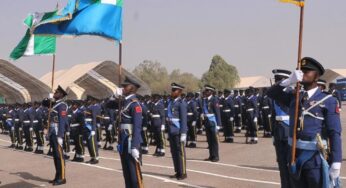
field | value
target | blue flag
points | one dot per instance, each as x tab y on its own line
85	17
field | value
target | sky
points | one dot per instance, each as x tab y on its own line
256	36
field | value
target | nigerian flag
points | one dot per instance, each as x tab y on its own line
32	44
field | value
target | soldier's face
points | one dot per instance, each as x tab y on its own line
310	76
176	93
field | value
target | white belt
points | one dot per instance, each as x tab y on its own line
16	119
126	126
74	125
227	110
26	121
282	118
35	121
265	107
190	114
9	119
236	106
53	125
221	105
106	118
88	119
69	115
250	109
155	116
174	119
209	115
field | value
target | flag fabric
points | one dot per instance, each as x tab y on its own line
299	3
32	44
86	17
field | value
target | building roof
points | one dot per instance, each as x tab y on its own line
98	79
331	75
18	86
254	81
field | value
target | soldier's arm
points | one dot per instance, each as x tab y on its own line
62	116
162	113
136	113
217	112
333	125
183	117
276	93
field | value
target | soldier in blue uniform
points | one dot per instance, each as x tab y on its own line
237	111
158	119
319	121
77	121
192	115
58	121
280	129
108	122
227	116
145	125
10	116
266	113
177	129
90	129
29	116
335	93
251	115
38	128
130	138
199	126
322	84
19	126
212	122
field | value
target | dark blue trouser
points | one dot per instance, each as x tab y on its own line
282	151
178	154
131	168
58	156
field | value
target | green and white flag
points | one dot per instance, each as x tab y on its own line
33	44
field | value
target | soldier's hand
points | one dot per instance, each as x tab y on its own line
92	133
296	76
60	141
255	120
183	138
135	153
162	127
194	123
334	171
110	127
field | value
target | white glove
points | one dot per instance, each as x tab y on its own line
162	127
92	133
231	119
110	127
31	129
144	128
202	116
135	153
183	138
60	141
194	123
239	115
218	128
296	76
118	92
255	120
334	171
50	96
269	116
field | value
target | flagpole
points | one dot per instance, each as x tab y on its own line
296	112
120	62
52	90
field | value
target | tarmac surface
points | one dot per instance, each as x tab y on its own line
240	165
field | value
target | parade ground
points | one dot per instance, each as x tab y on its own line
240	165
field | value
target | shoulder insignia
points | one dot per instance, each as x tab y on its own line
138	109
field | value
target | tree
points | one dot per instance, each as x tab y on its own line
155	75
188	80
221	75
